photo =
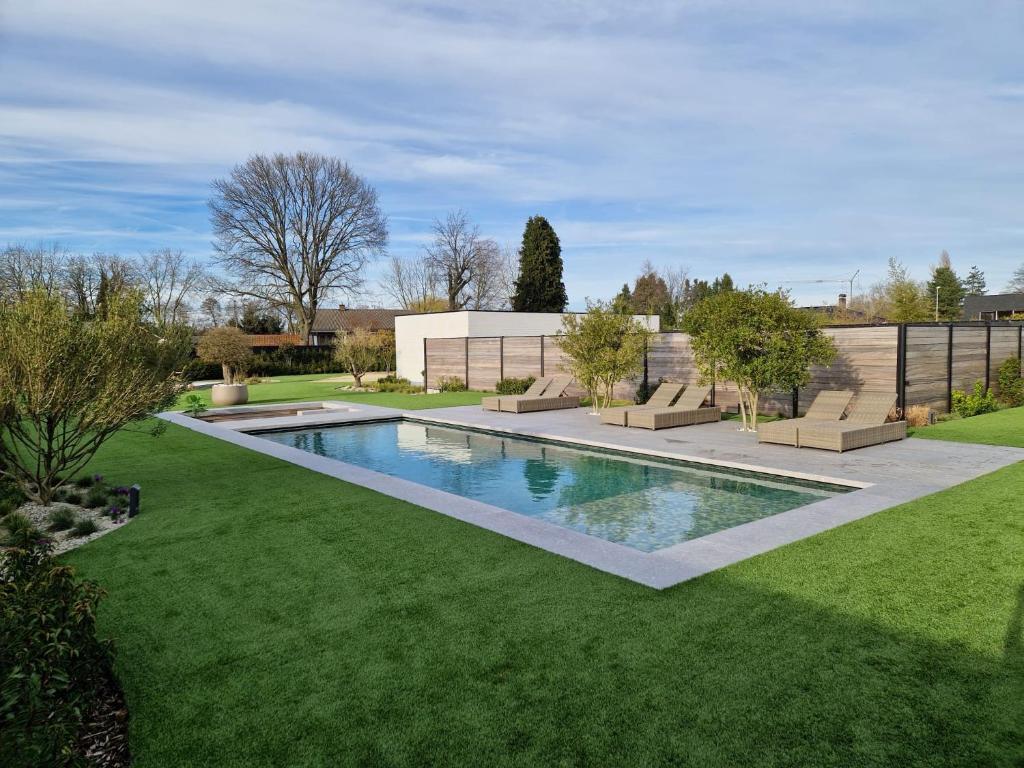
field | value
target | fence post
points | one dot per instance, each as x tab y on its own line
901	367
646	382
988	354
501	358
949	371
796	402
542	355
425	377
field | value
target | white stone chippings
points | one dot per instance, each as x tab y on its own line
881	477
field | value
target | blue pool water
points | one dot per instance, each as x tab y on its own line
641	503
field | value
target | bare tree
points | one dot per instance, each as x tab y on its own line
296	227
168	280
453	257
494	277
211	311
410	281
23	269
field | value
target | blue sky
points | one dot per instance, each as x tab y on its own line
779	141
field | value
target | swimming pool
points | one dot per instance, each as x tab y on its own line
643	503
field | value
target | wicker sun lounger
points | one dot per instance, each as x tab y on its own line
828	405
866	425
554	398
662	398
686	412
536	389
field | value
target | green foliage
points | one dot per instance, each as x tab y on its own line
1011	385
906	300
451	384
539	286
946	291
255	319
11	496
68	383
194	405
975	403
602	348
73	497
85	481
96	497
61	519
84	527
974	283
393	383
758	340
514	386
228	347
650	296
51	663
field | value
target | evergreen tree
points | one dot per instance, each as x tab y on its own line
623	301
539	287
945	291
974	283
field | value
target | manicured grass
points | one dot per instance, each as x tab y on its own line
1004	427
266	615
296	389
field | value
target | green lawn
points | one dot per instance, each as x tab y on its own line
1004	427
266	615
296	389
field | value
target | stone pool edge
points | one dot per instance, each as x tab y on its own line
659	570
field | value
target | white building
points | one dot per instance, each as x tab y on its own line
411	330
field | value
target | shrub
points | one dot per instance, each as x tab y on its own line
919	416
451	384
73	497
514	386
199	370
1011	385
84	482
11	497
96	497
194	405
392	383
84	527
976	403
61	519
52	666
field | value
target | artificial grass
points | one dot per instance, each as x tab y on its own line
296	389
267	615
1004	427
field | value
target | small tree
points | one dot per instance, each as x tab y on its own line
360	352
974	283
228	347
67	383
601	348
945	290
759	341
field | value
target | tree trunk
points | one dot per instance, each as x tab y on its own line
743	410
754	398
225	370
358	379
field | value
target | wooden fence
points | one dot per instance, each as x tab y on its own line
922	363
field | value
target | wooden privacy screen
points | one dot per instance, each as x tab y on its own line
937	358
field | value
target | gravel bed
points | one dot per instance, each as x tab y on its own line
64	540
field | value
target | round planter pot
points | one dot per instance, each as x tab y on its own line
230	394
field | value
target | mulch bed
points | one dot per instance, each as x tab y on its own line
104	739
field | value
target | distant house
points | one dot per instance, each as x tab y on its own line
996	307
841	313
328	323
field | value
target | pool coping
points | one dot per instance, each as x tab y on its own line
659	569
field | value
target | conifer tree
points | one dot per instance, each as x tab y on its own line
539	287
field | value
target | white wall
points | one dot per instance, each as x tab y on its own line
411	330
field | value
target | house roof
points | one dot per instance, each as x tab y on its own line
999	302
344	320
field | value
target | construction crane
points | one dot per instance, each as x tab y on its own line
828	280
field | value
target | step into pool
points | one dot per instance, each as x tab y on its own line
644	503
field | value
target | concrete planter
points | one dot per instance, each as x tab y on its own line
230	394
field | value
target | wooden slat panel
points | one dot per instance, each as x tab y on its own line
927	366
522	356
1004	346
968	357
484	363
445	357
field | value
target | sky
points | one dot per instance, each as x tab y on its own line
783	142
